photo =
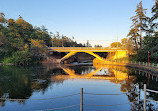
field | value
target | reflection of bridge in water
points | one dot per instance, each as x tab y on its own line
113	74
111	53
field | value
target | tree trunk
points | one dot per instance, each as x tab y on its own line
136	44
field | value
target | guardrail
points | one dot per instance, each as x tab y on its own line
74	105
145	91
146	64
84	48
87	93
153	65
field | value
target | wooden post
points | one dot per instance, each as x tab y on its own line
144	97
81	99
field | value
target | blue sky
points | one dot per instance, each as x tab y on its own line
96	20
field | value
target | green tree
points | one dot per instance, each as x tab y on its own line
136	28
155	10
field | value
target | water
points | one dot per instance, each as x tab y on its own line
50	81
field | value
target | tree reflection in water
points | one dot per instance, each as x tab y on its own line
21	82
134	86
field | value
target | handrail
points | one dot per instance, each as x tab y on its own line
151	100
100	48
145	90
151	90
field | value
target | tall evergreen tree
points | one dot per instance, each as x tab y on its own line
136	28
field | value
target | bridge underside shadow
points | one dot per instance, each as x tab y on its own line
110	55
72	53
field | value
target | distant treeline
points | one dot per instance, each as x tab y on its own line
22	44
64	41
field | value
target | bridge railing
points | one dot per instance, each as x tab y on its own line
96	48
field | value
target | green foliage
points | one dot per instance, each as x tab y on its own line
23	44
138	20
19	58
150	41
16	38
151	45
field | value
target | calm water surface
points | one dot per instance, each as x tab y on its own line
32	88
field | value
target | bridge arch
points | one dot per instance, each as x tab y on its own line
71	53
112	53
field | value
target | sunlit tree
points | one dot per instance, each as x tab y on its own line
136	28
115	45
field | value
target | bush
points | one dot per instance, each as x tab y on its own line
19	58
7	60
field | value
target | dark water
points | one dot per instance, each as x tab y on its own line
32	88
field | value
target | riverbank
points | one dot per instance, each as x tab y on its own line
146	68
150	68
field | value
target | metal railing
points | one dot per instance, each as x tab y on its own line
74	105
145	91
85	48
153	65
87	93
146	64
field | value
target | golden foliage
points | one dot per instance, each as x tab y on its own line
20	21
38	44
115	44
25	46
11	21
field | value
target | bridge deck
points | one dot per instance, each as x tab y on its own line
84	49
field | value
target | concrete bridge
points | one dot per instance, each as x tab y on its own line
112	53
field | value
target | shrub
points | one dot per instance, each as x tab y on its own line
19	58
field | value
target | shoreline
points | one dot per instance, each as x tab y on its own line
150	69
146	68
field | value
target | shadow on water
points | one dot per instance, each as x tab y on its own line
22	82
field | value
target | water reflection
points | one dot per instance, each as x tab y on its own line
114	74
20	82
23	82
